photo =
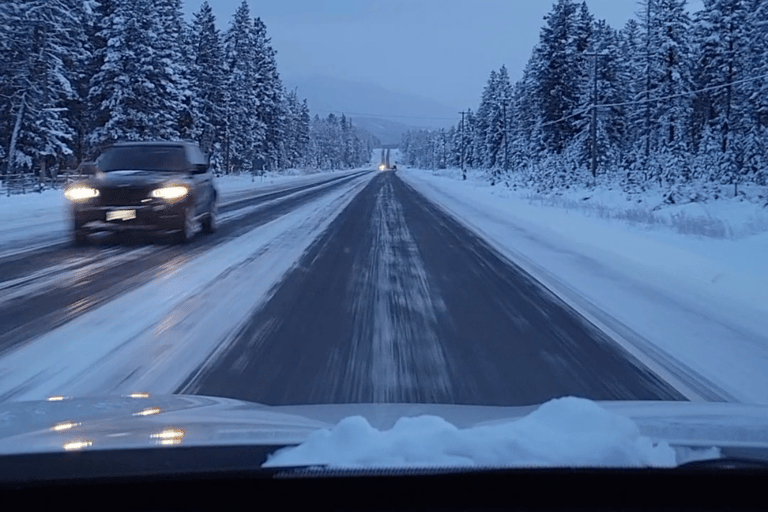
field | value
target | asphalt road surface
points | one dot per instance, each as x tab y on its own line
397	302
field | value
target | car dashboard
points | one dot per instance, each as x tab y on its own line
231	478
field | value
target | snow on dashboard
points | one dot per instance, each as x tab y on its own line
567	432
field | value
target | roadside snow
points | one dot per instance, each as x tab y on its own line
693	308
567	432
294	177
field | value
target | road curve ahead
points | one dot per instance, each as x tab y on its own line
397	302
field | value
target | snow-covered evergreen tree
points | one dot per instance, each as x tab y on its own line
45	44
480	132
208	79
170	71
268	91
246	131
668	33
497	123
557	67
139	88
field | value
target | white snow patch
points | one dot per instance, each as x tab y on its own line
566	432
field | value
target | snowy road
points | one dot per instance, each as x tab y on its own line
397	302
356	289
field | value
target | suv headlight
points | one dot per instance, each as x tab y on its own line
170	193
80	193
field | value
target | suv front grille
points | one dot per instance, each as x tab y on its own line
123	196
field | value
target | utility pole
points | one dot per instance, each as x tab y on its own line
463	169
593	124
504	114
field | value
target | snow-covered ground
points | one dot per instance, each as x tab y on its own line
691	306
39	219
150	339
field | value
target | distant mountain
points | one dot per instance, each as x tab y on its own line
400	111
388	132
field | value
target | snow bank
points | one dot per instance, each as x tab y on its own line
567	432
693	308
246	181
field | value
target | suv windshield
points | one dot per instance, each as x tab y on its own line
144	158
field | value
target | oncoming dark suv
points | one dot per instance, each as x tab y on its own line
159	187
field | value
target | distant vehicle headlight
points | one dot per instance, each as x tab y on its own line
170	193
81	193
382	167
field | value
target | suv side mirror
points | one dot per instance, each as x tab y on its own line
199	169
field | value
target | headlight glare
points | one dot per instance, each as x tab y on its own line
170	193
79	193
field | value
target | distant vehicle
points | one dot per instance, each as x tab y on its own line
157	187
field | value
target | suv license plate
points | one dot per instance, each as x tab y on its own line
121	215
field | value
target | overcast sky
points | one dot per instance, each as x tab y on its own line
442	49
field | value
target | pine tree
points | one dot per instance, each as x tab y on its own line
81	69
13	48
138	89
303	139
668	34
609	86
268	91
479	145
497	123
722	61
172	97
45	44
208	79
245	131
557	67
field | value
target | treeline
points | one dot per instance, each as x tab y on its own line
78	75
677	99
337	144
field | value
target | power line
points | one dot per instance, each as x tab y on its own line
577	113
380	115
651	100
682	94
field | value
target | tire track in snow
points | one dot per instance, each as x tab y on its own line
395	346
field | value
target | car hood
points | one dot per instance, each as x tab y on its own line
134	178
141	421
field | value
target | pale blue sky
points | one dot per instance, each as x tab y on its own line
443	49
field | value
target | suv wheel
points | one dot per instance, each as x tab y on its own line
80	235
211	220
81	238
187	231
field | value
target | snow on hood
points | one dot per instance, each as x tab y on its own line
567	432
